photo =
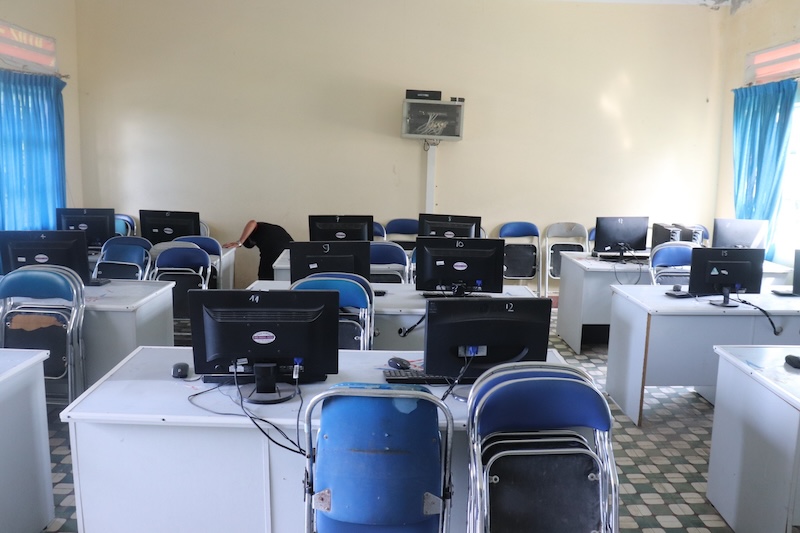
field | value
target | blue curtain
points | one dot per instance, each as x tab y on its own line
761	119
32	173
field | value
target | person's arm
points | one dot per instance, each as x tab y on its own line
248	229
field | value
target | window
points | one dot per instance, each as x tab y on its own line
787	229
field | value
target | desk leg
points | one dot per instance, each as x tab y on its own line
627	354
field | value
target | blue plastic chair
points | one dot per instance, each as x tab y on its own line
378	231
124	225
50	298
521	259
122	261
214	250
670	262
380	463
353	300
541	460
388	253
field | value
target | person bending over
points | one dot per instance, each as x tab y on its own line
270	239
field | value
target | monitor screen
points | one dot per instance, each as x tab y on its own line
739	233
459	266
725	271
484	332
617	235
340	228
97	223
162	226
54	247
235	331
431	225
331	256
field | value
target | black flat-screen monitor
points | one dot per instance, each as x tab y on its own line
248	336
484	332
340	228
97	223
739	233
433	225
330	256
52	247
618	235
725	271
163	226
459	266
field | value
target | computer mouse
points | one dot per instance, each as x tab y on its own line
180	370
793	361
676	288
399	363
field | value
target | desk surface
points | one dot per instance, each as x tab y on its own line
124	294
653	299
766	365
13	361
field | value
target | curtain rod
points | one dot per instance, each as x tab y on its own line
25	71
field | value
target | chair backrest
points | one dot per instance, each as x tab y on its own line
521	257
378	231
209	244
129	240
122	261
561	237
389	253
183	257
383	463
402	226
668	255
125	225
518	229
205	231
159	247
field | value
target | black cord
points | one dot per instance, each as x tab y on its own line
403	332
776	330
458	378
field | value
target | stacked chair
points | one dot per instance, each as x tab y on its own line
42	308
541	456
390	254
189	267
214	250
356	298
520	261
124	257
380	463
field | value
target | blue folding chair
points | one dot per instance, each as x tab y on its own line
355	320
378	231
189	268
42	308
380	463
521	259
670	262
394	260
541	456
214	250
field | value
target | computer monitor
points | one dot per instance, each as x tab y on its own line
340	228
480	333
739	233
260	337
459	266
97	223
618	235
725	271
52	247
162	226
431	225
329	256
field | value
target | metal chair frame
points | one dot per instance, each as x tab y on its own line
390	253
557	236
528	231
671	260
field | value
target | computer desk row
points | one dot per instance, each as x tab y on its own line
662	341
399	308
584	297
146	459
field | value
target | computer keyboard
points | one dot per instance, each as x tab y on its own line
418	377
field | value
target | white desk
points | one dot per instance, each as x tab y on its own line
26	482
401	307
122	315
225	268
658	340
282	272
140	451
754	464
584	294
584	297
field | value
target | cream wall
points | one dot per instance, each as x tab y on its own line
755	26
274	110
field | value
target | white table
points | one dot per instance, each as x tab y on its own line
400	308
754	464
584	297
140	451
225	268
26	482
658	340
122	315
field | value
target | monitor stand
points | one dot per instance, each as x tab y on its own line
726	299
266	389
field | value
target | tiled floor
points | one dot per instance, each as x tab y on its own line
662	464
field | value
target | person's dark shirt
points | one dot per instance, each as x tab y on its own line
271	240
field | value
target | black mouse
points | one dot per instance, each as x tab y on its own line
399	363
793	361
180	370
676	288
